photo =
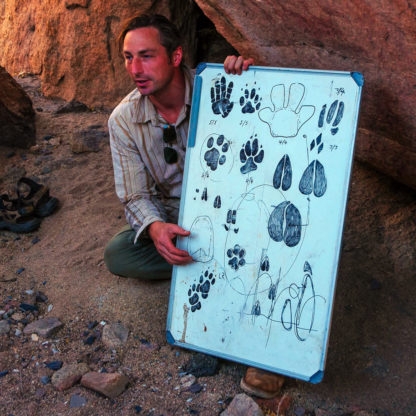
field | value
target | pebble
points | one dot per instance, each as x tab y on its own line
45	380
90	340
187	381
35	240
77	401
92	325
50	307
3	373
68	375
4	327
109	384
195	388
22	269
45	327
243	405
28	307
41	297
18	332
115	335
54	365
202	365
35	337
137	409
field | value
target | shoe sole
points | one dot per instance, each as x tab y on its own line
23	227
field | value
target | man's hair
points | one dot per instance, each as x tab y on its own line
168	33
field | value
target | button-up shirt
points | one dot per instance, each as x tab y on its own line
148	187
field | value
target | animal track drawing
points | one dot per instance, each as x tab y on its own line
217	201
283	174
313	179
250	101
200	290
236	256
317	142
265	264
220	97
285	224
215	155
285	120
330	116
250	155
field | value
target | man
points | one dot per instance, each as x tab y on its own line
148	137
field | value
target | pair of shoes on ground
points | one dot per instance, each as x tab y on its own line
261	383
24	214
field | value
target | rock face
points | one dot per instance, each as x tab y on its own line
17	118
377	40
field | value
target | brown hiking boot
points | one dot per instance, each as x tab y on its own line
261	383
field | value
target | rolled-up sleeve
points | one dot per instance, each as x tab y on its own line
135	187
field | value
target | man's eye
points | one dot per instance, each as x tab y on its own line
128	58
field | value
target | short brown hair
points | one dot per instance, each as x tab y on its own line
169	35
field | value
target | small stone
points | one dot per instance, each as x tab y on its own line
17	316
202	365
4	327
26	307
92	325
35	337
54	365
18	332
35	240
41	297
90	340
18	271
50	307
115	335
44	327
48	137
3	373
45	380
242	405
195	388
137	409
109	384
187	381
29	292
68	375
77	401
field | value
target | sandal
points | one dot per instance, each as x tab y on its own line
38	198
18	224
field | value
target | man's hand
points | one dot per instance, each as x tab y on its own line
236	65
162	234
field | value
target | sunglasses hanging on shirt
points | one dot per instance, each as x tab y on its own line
169	136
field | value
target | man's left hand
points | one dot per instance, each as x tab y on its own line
236	65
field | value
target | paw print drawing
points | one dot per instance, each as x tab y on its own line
236	256
200	291
250	100
285	120
250	155
330	116
217	149
220	97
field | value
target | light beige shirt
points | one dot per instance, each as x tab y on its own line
148	187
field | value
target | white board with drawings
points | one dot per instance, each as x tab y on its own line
264	195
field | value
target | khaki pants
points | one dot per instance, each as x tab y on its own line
141	260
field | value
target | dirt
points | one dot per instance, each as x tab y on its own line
370	363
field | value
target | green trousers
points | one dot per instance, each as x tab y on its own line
139	260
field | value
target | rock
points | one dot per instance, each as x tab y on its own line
332	35
115	335
45	380
108	384
28	307
77	401
34	337
72	107
242	405
54	365
201	365
45	327
17	316
86	141
187	381
4	327
68	375
195	388
17	117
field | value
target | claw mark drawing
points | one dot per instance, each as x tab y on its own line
250	155
217	201
330	115
283	174
317	142
285	120
236	256
220	97
200	290
313	179
250	100
216	153
285	224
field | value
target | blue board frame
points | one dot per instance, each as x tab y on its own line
282	111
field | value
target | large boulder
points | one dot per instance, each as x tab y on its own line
17	118
375	39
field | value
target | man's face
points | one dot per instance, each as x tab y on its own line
147	61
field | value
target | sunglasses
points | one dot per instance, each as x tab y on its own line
169	136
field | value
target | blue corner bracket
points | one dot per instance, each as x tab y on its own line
200	67
196	97
358	78
170	338
317	377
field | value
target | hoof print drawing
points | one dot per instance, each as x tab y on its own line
285	224
285	120
220	97
317	142
250	101
200	291
313	179
337	107
217	201
256	310
283	174
265	264
272	292
250	155
215	155
231	216
236	256
204	195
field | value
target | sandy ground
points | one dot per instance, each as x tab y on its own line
371	358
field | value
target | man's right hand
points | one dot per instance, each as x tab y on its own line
162	234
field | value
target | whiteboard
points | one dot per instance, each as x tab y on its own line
264	196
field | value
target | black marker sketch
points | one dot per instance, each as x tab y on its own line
204	195
236	256
231	216
265	263
200	290
313	179
330	115
283	174
216	156
317	142
286	120
256	310
285	224
217	201
200	244
220	97
250	155
250	100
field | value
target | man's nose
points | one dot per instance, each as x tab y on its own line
137	66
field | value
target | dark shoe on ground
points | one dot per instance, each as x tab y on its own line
18	224
32	194
261	383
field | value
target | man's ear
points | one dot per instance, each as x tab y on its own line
177	56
